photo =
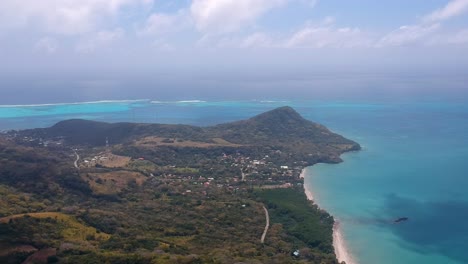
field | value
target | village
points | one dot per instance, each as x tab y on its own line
240	172
247	174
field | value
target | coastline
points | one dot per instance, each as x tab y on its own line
341	250
308	193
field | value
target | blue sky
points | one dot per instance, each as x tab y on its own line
95	41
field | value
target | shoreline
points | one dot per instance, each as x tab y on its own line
308	193
339	243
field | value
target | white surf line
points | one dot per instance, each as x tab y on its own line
178	102
77	103
77	159
267	225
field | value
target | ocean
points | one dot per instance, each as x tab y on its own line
413	164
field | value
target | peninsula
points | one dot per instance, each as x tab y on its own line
93	192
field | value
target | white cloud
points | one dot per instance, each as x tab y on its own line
60	16
329	20
99	39
311	3
257	40
47	44
426	32
328	36
406	35
452	9
254	40
161	23
225	16
215	23
321	35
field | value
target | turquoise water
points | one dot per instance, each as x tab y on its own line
414	163
171	112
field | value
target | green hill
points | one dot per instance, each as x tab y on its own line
282	128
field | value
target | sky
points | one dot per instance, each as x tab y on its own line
74	50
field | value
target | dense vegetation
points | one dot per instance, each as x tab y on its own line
307	225
177	194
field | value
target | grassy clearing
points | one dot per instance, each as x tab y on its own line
186	170
112	182
73	230
14	202
160	141
143	166
114	161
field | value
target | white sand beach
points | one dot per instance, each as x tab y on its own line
341	251
307	191
339	243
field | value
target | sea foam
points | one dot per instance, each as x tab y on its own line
76	103
179	102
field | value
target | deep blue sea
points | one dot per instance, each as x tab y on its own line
414	164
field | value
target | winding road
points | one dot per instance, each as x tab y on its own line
77	159
243	175
267	217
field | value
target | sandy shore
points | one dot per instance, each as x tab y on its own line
307	191
341	251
